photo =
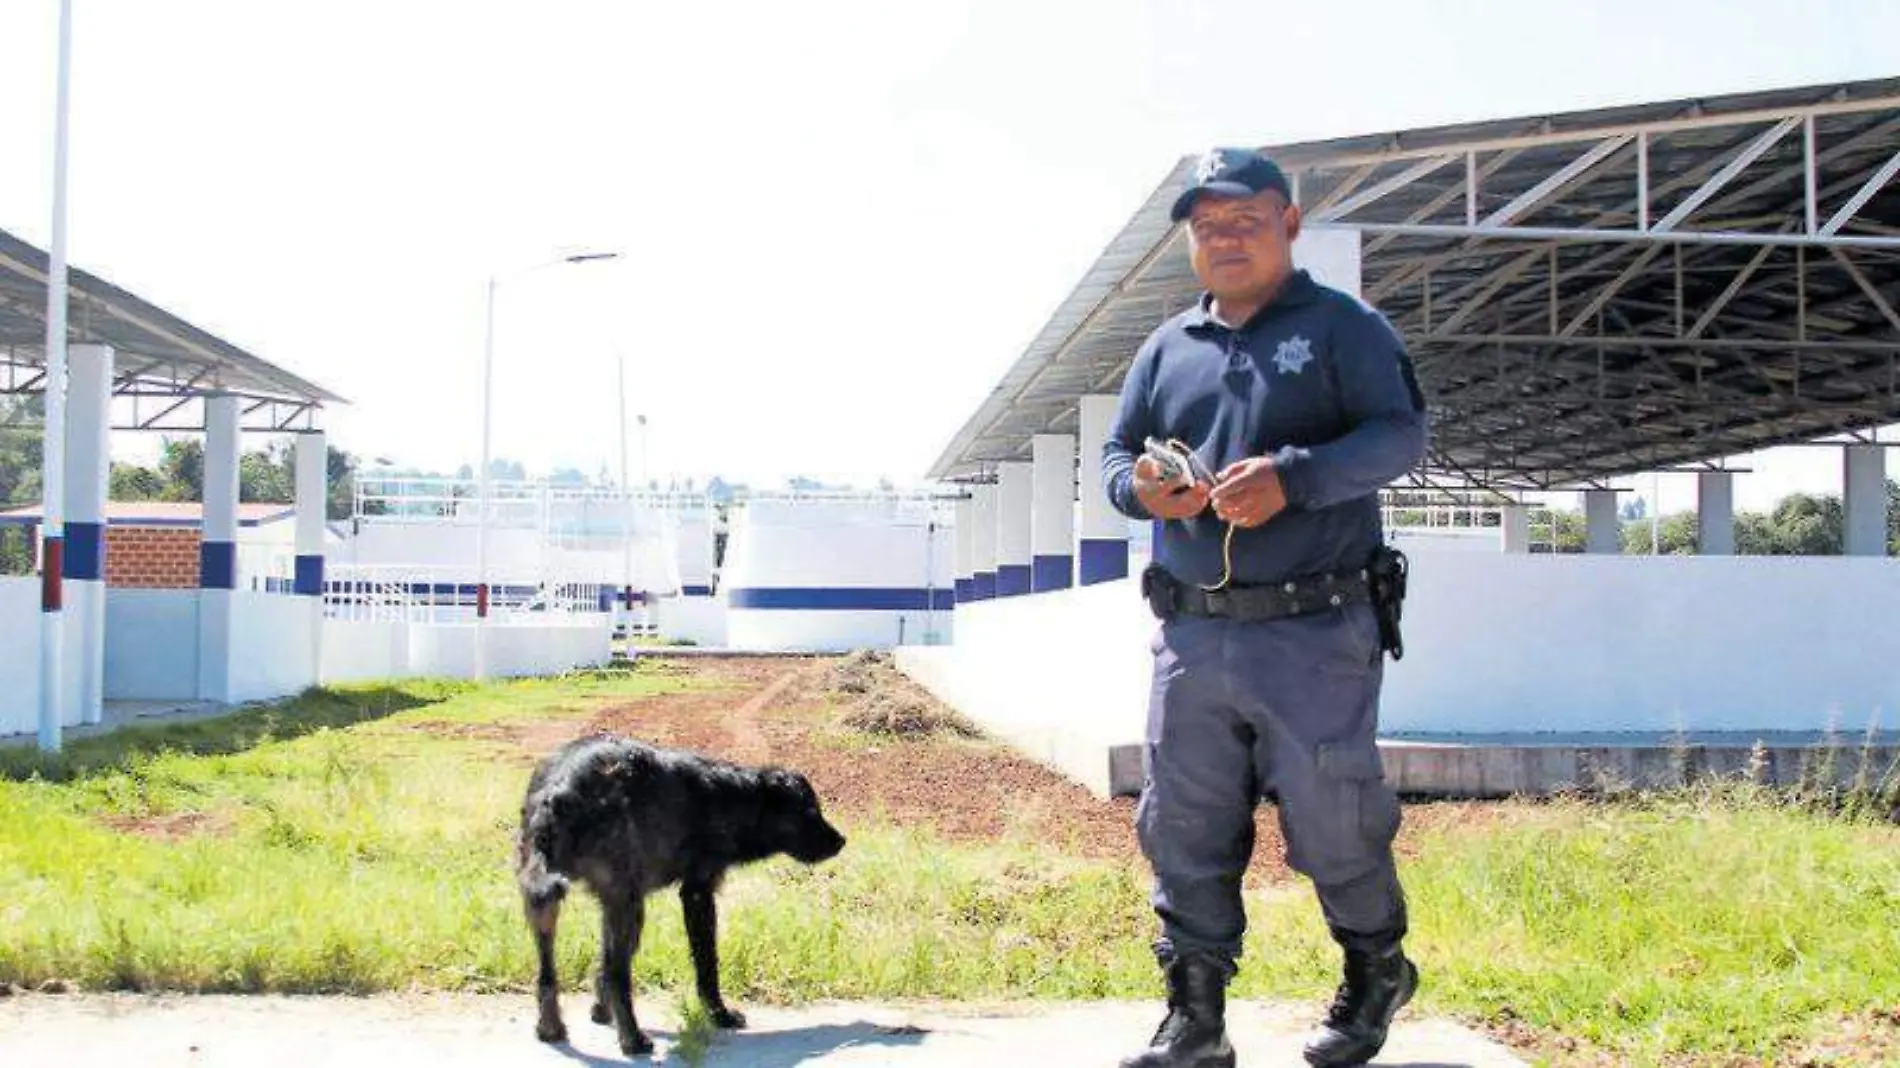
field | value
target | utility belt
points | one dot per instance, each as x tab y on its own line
1381	582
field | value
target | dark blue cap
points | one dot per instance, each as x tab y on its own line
1234	172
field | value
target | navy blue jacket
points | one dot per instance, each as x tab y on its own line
1317	380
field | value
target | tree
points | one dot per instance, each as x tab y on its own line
1893	518
1800	525
1679	533
1569	532
130	482
342	480
182	465
267	478
20	451
20	468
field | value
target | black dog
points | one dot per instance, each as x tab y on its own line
626	819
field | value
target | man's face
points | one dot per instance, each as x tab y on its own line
1242	247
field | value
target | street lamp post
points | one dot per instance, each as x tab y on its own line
53	482
483	598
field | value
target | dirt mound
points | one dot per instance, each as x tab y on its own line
860	672
904	715
876	698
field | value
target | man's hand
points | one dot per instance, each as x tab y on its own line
1247	493
1178	498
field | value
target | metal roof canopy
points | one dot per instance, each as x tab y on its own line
165	366
1585	295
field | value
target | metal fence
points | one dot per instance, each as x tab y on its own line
401	593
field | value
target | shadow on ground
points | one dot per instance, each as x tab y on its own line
766	1049
314	710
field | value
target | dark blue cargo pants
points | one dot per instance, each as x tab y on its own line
1289	707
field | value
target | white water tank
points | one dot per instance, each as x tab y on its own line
839	573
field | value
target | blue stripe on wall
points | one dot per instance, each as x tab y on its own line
983	586
966	590
1053	573
85	552
309	581
696	591
217	566
1012	580
842	598
1103	560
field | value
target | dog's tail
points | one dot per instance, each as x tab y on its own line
541	881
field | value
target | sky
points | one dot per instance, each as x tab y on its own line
840	222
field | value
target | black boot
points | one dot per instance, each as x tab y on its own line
1194	1035
1376	987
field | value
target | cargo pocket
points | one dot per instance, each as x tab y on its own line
1360	775
1340	825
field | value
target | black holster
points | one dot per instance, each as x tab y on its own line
1157	586
1386	574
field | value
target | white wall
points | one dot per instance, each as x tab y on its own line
547	648
513	555
514	650
517	556
151	645
360	651
1572	643
700	620
1063	676
270	646
832	630
19	655
1510	643
781	553
694	548
444	651
266	551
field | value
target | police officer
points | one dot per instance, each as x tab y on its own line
1301	402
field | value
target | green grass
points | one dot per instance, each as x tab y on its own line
358	840
1713	921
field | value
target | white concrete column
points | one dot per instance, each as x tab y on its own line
1515	531
1102	555
1015	495
1331	255
217	556
1052	513
1864	500
982	542
966	522
1715	513
1603	528
87	474
313	492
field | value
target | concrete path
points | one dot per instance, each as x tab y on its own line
112	1031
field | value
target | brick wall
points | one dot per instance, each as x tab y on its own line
161	558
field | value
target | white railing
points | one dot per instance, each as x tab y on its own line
400	593
366	593
853	496
1477	518
1469	515
511	502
